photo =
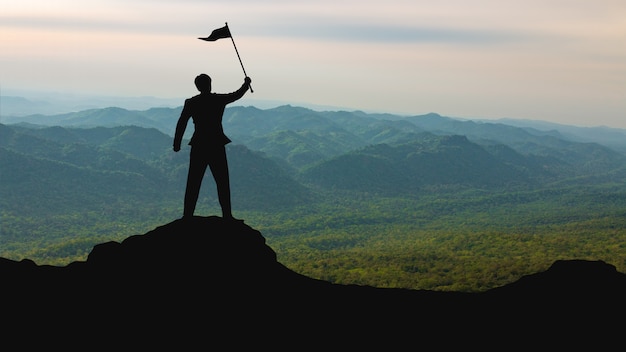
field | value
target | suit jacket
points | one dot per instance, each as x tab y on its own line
206	110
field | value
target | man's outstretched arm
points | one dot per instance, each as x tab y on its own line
236	95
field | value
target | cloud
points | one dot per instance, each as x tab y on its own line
337	32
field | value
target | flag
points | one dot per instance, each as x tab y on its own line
219	33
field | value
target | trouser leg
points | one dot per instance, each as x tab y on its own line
197	168
219	169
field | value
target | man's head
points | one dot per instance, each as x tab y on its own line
203	83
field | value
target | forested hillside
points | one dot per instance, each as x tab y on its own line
420	202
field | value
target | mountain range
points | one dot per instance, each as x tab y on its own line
296	147
379	153
238	119
312	178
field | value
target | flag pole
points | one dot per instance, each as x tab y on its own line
239	57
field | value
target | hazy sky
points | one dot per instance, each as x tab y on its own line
554	60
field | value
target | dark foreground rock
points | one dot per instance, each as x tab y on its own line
205	282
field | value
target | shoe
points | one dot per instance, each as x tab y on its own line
232	219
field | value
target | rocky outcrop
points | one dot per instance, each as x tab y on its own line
208	280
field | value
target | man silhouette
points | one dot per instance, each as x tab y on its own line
208	142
